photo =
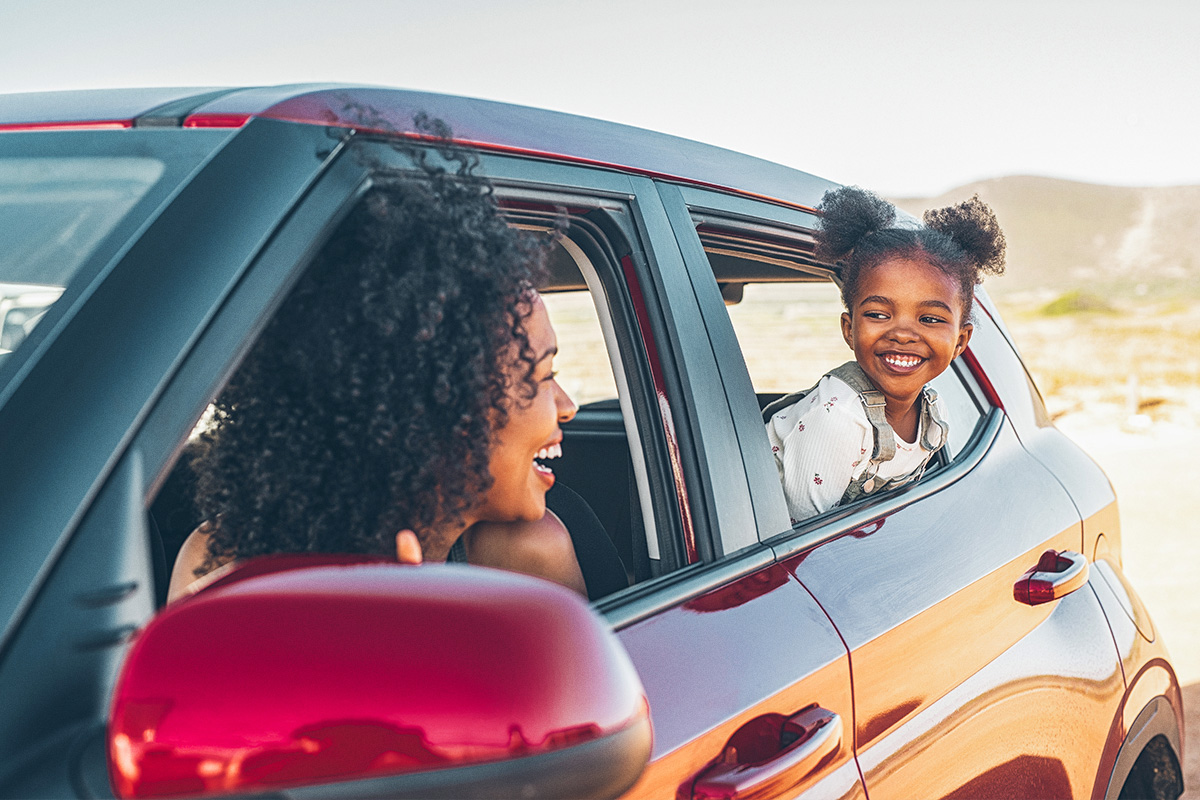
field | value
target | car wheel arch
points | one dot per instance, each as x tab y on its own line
1155	723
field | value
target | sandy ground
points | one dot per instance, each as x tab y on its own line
1158	490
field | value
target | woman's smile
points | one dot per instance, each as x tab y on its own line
545	454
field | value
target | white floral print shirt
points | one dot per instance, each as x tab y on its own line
823	442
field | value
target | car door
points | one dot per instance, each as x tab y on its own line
960	689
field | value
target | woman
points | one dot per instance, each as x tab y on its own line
398	399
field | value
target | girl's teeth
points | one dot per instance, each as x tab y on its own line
902	362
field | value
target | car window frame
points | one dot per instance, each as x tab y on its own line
599	231
718	497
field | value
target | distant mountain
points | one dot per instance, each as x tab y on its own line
1107	239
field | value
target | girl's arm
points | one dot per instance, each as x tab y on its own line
819	445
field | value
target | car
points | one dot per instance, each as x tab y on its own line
969	635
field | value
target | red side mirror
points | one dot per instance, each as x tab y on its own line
427	681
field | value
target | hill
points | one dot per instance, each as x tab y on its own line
1109	240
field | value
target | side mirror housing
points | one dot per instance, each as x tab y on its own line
371	678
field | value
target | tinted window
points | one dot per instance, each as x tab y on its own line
53	214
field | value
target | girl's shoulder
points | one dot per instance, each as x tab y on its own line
832	403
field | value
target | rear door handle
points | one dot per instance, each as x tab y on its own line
770	755
1057	574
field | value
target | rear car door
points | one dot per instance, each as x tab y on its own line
959	688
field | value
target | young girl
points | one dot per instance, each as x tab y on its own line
873	423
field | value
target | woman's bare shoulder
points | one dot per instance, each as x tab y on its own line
186	575
542	548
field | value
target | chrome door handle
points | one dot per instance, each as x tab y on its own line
803	743
1057	574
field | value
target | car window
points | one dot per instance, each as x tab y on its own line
53	213
610	449
789	333
790	336
584	369
613	449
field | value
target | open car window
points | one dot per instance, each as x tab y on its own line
785	308
611	451
614	449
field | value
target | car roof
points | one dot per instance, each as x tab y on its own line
484	124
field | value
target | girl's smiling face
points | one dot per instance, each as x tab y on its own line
905	327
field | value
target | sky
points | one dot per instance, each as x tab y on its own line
905	97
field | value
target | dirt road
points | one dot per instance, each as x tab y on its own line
1155	476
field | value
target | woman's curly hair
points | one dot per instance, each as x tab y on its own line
369	402
858	231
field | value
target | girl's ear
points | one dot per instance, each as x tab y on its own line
964	336
408	548
847	330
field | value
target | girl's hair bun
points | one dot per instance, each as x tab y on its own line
972	226
849	215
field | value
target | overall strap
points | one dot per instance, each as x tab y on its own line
874	404
934	432
934	429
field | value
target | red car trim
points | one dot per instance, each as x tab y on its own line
216	120
664	406
287	114
981	377
86	125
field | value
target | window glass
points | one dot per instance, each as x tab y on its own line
789	333
53	214
583	366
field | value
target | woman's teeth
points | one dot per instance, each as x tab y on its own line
546	453
553	451
903	362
